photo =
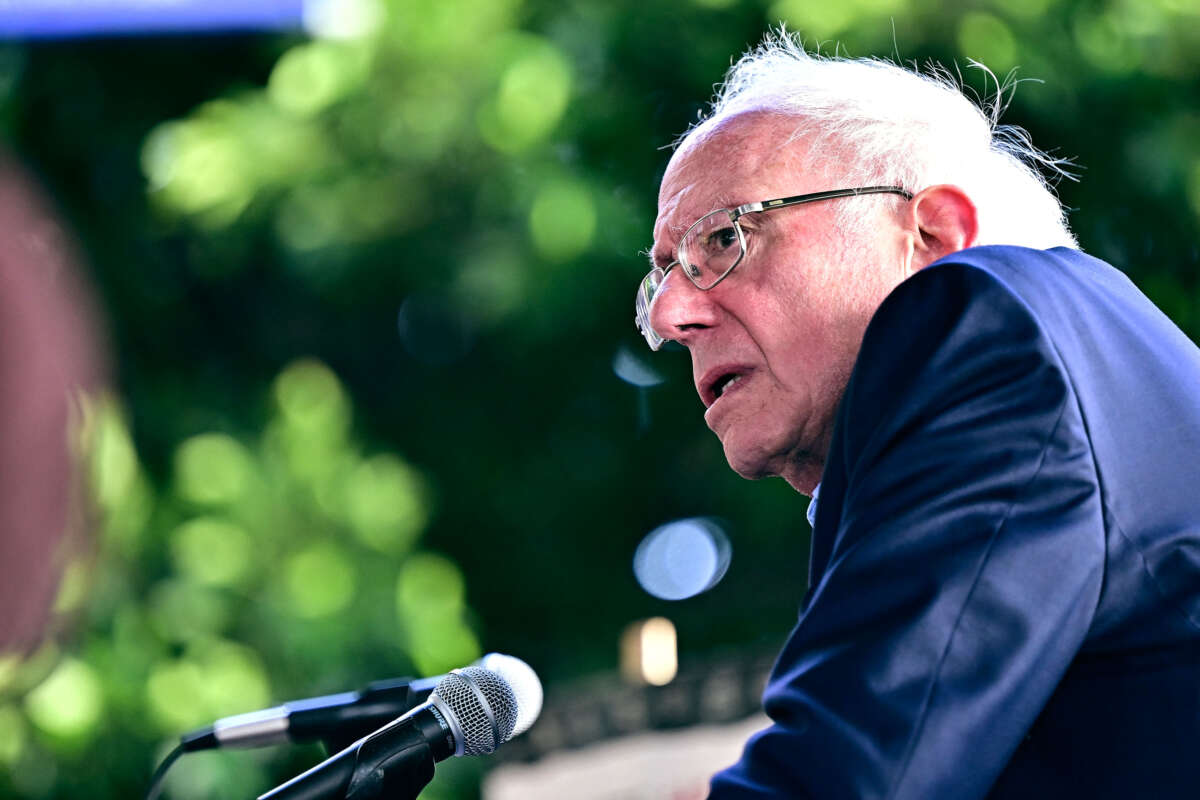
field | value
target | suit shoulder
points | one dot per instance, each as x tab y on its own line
990	284
946	334
1055	289
1031	273
1005	259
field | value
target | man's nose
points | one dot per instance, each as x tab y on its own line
680	310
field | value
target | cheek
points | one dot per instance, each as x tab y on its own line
809	369
800	343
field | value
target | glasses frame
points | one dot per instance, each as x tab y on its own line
648	288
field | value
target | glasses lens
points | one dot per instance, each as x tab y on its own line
711	248
645	297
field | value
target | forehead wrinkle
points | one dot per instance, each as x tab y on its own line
721	202
738	148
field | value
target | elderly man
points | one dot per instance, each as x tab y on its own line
882	301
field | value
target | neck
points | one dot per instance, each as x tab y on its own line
803	476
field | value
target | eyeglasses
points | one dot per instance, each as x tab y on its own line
716	243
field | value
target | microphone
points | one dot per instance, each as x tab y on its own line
348	716
470	712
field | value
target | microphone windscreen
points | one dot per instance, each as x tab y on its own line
525	686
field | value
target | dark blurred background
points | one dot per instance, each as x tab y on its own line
378	404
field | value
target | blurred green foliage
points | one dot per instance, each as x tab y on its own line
255	566
367	295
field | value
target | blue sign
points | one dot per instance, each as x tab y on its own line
52	19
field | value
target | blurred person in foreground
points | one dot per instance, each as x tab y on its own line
50	349
883	302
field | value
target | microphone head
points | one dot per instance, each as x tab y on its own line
525	686
480	706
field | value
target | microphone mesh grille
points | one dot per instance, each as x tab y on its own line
457	693
524	683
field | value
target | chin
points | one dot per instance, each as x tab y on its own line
782	456
749	462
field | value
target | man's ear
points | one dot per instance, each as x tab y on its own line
943	221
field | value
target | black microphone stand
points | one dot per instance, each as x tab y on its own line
400	776
395	762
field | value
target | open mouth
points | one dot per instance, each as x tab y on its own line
721	380
724	382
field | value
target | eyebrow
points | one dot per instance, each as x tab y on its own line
655	261
662	261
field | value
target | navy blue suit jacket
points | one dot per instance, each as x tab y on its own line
1004	588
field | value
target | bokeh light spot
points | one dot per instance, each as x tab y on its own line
355	208
215	678
1140	20
212	468
1030	9
562	219
433	329
649	652
312	76
448	30
114	475
182	610
821	20
72	588
1182	7
342	19
12	735
1104	43
435	649
201	166
308	219
385	503
10	668
430	600
634	370
425	118
987	39
682	558
815	19
114	462
320	581
535	86
175	693
234	678
211	550
492	282
429	586
311	397
68	703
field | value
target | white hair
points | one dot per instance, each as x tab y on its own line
901	128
